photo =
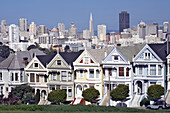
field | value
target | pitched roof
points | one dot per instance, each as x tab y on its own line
15	60
130	52
160	50
45	59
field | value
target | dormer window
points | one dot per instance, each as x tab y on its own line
58	62
36	65
115	57
86	60
147	55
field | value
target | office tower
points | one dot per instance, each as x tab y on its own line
41	29
86	34
3	26
165	29
101	31
72	30
91	26
61	27
23	24
169	27
32	28
123	21
151	30
142	30
13	33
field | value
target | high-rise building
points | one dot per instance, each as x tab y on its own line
23	24
165	29
91	26
32	28
41	29
142	30
101	31
124	21
61	27
13	33
4	26
86	34
152	30
72	30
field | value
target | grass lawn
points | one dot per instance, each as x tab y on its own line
73	109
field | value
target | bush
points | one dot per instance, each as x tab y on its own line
23	92
57	96
145	102
37	97
90	95
155	92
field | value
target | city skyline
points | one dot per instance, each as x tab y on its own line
50	13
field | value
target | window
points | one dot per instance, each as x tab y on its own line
6	89
12	76
115	57
69	92
58	62
121	71
86	60
91	75
69	76
152	69
37	78
140	70
45	78
159	70
52	87
147	56
81	74
54	76
110	72
0	76
32	79
16	76
91	86
36	65
97	73
152	82
127	72
63	76
57	87
146	70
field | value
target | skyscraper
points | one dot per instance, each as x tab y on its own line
72	30
101	31
91	26
23	24
142	30
13	33
33	28
123	20
61	27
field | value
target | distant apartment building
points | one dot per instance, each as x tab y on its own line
23	24
72	30
151	30
142	30
86	34
101	32
41	29
61	27
124	20
13	34
33	28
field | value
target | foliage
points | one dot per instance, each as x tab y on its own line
31	47
90	94
155	92
67	48
120	93
5	51
11	100
145	102
23	92
37	97
57	96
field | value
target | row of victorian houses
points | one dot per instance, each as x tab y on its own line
135	66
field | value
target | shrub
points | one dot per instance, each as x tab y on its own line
90	95
57	96
155	92
145	102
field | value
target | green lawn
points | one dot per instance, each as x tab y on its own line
73	109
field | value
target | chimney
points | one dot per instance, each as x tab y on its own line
25	60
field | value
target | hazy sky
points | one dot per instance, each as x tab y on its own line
51	12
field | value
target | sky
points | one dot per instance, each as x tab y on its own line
51	12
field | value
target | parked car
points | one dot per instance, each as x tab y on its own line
157	105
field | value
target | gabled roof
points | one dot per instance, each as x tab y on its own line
99	54
15	60
130	52
160	50
69	57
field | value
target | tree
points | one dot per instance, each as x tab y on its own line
23	92
57	96
90	95
120	93
37	96
31	47
155	92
